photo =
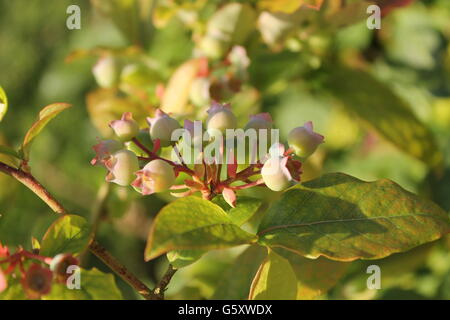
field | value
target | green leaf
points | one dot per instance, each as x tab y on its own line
9	151
314	276
182	258
68	234
377	105
235	283
95	285
46	114
193	223
275	280
3	103
245	208
343	218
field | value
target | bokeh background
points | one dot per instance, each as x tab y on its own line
301	67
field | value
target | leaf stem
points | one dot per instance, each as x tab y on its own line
161	287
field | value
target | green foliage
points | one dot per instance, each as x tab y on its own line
315	62
343	218
376	104
193	223
68	234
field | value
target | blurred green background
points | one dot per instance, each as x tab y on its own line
304	75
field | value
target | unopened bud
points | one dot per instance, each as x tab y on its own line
162	127
275	173
304	140
122	167
156	176
260	121
220	118
104	150
126	128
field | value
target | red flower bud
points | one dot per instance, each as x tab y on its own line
37	281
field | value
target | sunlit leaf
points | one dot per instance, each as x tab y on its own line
68	234
193	223
3	103
45	115
275	280
343	218
288	6
176	94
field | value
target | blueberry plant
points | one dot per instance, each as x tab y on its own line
198	139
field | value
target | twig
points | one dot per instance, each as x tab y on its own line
29	181
121	271
162	285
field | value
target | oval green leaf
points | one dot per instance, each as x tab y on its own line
45	115
343	218
193	223
68	234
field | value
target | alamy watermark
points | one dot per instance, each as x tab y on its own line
73	21
73	281
374	281
236	146
374	20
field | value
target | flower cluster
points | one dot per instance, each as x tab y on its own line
37	273
130	161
